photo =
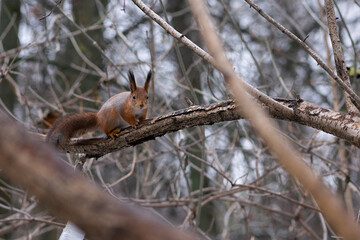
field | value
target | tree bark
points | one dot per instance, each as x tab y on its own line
343	125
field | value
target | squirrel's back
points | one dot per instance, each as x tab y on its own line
110	114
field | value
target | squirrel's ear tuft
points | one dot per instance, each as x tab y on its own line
148	79
132	82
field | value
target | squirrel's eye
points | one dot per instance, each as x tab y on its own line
133	96
147	97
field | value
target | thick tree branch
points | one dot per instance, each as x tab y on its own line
345	126
70	195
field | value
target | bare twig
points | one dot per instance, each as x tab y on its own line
128	174
203	54
311	52
328	59
51	11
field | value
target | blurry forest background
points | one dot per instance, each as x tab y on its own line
219	180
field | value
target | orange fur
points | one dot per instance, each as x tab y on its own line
118	111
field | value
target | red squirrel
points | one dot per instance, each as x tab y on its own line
119	111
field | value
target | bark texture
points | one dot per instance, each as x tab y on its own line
342	125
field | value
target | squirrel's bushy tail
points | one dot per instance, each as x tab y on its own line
69	125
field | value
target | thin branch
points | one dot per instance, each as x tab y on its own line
251	90
328	59
128	174
308	229
94	43
203	54
51	11
311	52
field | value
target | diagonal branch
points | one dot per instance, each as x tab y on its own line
310	51
330	205
251	90
206	56
345	126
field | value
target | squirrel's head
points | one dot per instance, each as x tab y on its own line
139	95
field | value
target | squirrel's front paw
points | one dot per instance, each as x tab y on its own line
137	123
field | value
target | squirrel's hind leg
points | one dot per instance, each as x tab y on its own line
114	133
